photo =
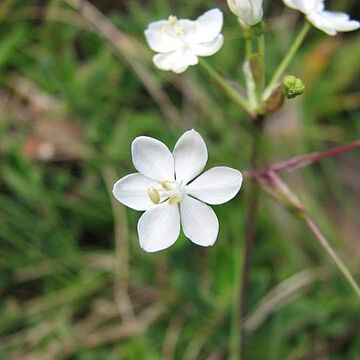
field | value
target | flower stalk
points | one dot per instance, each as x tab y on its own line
232	94
286	61
251	216
261	49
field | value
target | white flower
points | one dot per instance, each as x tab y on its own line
165	189
329	22
179	42
250	12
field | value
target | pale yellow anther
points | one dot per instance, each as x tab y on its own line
163	30
165	185
172	20
175	199
154	195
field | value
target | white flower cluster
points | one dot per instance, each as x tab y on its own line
179	42
167	186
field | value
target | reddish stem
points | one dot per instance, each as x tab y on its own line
303	160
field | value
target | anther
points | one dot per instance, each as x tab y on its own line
175	199
154	195
165	185
172	20
162	30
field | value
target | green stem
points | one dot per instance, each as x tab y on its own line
251	218
286	61
235	334
261	49
249	76
248	45
227	88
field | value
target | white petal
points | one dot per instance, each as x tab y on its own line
232	6
132	191
295	4
190	156
305	6
250	12
152	158
159	227
208	26
187	29
208	48
256	12
199	222
333	22
161	38
216	186
177	61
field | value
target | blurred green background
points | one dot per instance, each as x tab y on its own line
74	283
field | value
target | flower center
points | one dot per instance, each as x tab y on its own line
172	27
170	191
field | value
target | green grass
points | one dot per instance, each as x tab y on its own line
62	265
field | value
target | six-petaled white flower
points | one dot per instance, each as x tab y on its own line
328	21
167	187
249	12
179	42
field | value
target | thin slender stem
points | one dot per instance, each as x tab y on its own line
261	44
261	49
228	89
331	252
286	61
251	87
304	160
248	46
254	192
235	335
301	161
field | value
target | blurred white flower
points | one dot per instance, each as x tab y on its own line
179	42
250	12
165	189
329	22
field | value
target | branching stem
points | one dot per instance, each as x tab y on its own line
303	160
234	95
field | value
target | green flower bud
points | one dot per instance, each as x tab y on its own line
293	87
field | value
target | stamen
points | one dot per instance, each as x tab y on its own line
165	185
175	199
172	20
162	30
154	195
